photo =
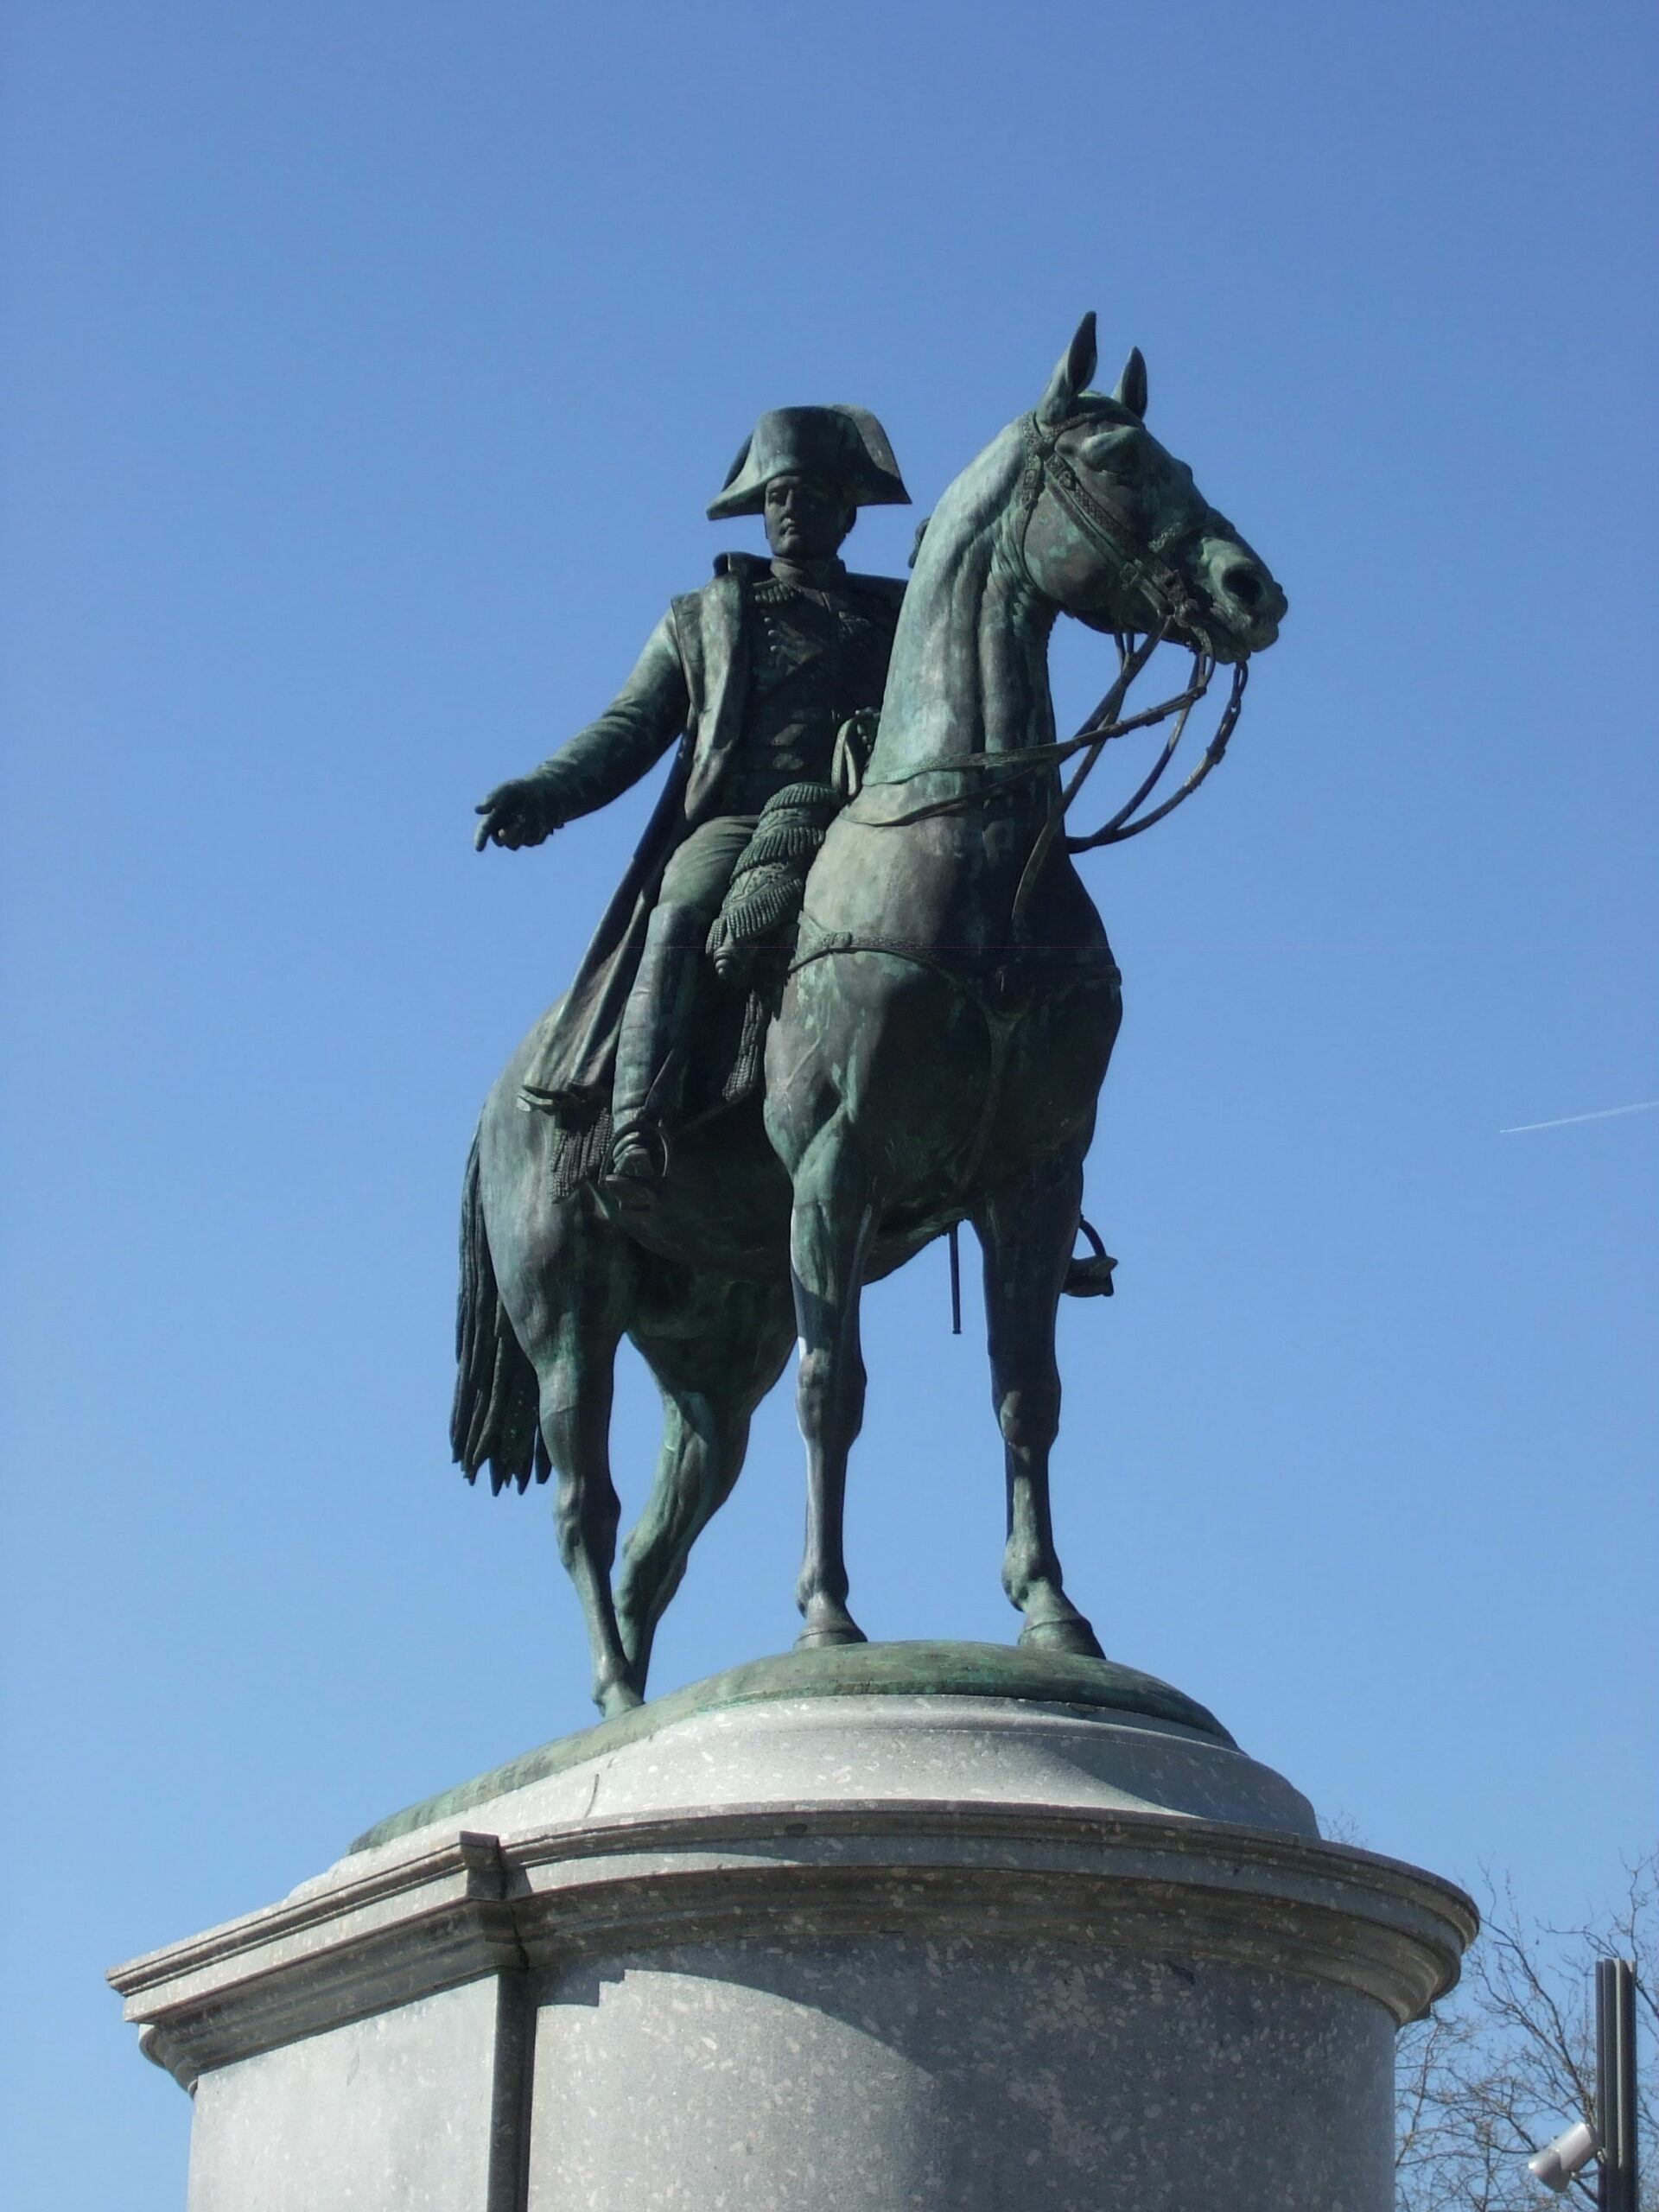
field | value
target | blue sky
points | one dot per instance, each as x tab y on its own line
371	367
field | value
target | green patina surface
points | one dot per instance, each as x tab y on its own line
1089	1686
930	1026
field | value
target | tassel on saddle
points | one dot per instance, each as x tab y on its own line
763	903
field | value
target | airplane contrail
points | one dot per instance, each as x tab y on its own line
1606	1114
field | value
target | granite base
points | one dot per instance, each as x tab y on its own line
856	1953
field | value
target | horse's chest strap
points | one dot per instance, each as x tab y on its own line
1001	980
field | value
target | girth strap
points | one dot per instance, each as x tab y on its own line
996	977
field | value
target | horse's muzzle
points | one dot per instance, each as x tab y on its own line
1246	603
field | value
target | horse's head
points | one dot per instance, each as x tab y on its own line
1116	532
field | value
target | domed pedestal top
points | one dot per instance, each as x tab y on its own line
923	1722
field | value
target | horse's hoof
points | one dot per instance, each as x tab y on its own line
825	1639
1074	1636
618	1700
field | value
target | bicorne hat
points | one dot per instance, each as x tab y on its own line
846	444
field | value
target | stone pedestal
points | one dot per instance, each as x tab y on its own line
815	1938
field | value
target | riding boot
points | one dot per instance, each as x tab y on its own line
651	1050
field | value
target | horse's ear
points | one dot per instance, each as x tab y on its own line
1077	366
1132	384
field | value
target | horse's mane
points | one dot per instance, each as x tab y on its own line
971	502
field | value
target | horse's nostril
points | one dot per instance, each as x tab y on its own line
1242	583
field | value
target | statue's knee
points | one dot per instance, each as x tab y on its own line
585	1516
819	1391
1029	1420
675	922
567	1526
812	1383
830	1398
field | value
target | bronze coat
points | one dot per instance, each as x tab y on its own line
691	683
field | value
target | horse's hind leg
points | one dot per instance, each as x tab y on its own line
562	1275
1027	1228
702	1454
711	1383
574	1354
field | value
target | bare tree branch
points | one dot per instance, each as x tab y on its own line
1509	2060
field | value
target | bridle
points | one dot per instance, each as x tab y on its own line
1141	564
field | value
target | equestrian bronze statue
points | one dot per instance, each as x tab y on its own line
851	993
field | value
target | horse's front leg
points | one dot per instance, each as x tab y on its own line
1027	1228
831	1229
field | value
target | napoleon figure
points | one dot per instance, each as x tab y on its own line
755	674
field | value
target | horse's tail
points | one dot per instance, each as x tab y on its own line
494	1420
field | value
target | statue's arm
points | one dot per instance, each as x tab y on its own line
601	762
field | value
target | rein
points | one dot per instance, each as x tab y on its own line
1100	728
1142	565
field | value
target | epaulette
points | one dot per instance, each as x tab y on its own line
750	565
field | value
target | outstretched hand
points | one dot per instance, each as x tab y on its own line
514	814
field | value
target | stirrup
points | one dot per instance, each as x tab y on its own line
636	1185
1091	1277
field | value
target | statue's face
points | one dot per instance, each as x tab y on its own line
806	517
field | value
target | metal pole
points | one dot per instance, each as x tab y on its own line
1615	2084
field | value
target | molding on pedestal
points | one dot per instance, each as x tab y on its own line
476	1905
432	1921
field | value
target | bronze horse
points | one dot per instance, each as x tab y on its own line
936	1056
